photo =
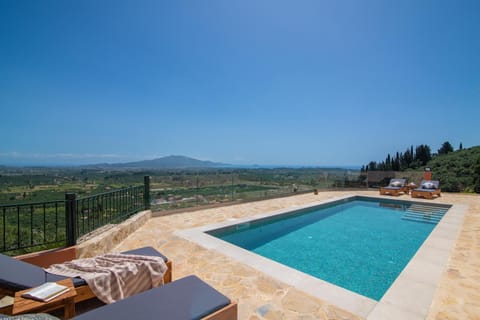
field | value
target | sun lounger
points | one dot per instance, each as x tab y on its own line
16	275
184	299
394	187
428	189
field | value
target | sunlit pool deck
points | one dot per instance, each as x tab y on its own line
447	267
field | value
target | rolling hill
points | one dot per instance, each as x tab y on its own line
169	162
458	170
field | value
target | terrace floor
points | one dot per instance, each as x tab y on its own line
261	296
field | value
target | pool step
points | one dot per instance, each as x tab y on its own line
426	208
419	208
424	213
421	217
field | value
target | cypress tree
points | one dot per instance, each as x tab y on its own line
423	154
446	148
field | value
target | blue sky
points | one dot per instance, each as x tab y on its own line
243	82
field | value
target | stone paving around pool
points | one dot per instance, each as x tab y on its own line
260	296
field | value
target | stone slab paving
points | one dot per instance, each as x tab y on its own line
261	296
458	292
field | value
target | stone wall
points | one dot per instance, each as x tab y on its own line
108	239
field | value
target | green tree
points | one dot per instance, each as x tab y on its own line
460	147
396	162
407	158
423	154
445	148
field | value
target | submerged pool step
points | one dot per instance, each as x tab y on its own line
429	214
424	213
422	218
426	209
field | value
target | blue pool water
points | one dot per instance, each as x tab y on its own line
360	245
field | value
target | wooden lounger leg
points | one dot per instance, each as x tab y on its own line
229	312
167	277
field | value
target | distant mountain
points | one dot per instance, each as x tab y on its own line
169	162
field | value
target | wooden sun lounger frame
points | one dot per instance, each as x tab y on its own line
229	312
426	193
393	191
45	259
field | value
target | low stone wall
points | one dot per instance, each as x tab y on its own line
107	240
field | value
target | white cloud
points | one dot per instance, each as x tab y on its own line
15	154
14	157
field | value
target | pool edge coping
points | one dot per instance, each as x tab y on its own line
422	274
397	304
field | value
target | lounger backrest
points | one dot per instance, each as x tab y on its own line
146	251
397	182
17	275
435	184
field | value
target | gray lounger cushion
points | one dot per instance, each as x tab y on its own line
146	251
397	183
187	298
17	275
428	186
392	188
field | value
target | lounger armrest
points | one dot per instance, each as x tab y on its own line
46	258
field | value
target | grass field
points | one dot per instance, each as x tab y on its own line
20	185
32	206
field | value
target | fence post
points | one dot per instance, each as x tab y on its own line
70	218
146	192
196	190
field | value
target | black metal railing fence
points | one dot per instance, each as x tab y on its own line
30	227
111	207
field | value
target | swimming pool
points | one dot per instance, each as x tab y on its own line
360	244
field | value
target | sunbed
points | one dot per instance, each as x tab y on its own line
428	189
16	275
394	187
184	299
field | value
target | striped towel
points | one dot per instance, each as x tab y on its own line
115	276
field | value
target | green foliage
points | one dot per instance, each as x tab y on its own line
423	154
458	171
32	227
446	148
402	161
21	185
476	176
